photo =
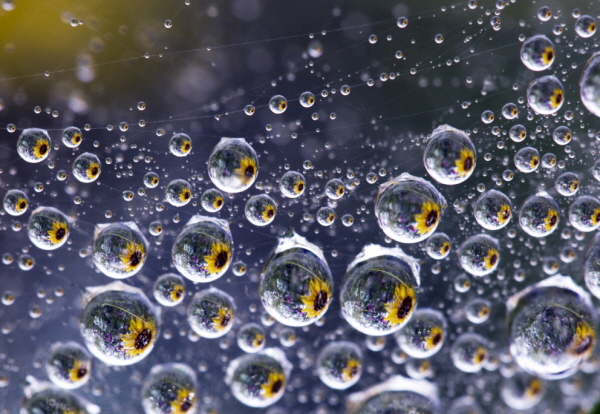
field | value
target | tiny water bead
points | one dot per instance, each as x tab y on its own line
544	13
296	284
233	165
545	95
340	365
585	26
203	249
487	117
119	250
87	167
178	193
478	310
34	145
211	313
15	202
251	338
449	156
380	289
119	325
335	189
180	145
151	180
438	246
562	135
548	160
169	289
249	110
567	184
48	228
527	159
510	111
517	133
470	352
492	210
479	255
292	184
155	228
260	210
584	213
170	388
408	209
212	200
539	215
307	99
424	335
522	391
552	327
278	104
325	216
259	380
537	53
68	365
72	137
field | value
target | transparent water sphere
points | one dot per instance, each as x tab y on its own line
296	284
233	165
408	209
118	324
203	249
449	156
380	290
552	327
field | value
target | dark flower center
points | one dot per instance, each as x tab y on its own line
249	172
219	202
226	319
221	259
300	187
404	307
270	213
431	218
60	233
320	301
493	259
276	386
143	339
22	205
353	371
553	220
135	258
77	138
468	164
43	149
94	170
559	98
186	405
505	214
81	372
550	55
187	147
186	195
436	339
178	293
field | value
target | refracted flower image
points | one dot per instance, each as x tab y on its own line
254	206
